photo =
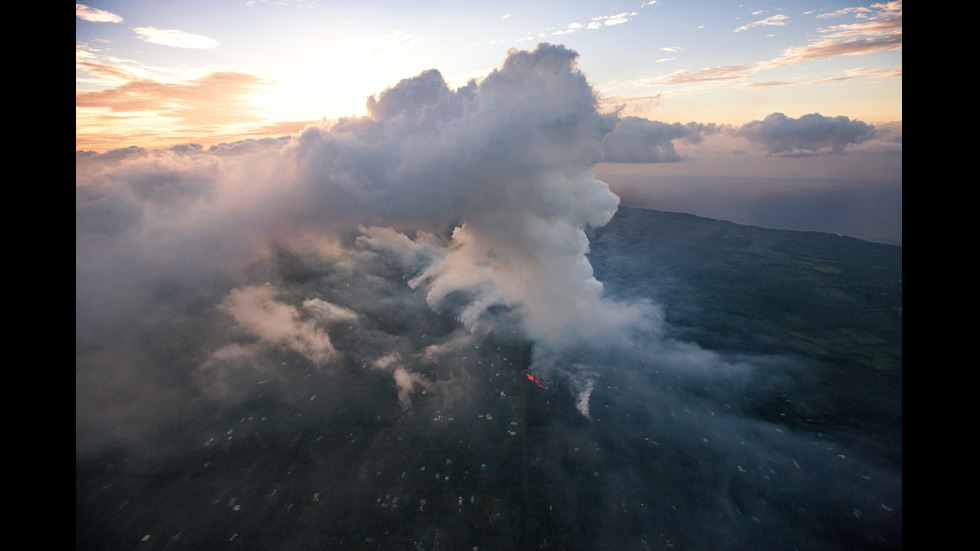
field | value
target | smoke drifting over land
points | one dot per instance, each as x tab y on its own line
502	165
433	244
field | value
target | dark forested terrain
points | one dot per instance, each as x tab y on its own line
797	445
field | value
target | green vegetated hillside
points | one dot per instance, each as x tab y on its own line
834	302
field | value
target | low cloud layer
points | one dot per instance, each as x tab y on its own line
780	134
638	140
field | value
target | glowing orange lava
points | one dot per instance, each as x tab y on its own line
533	379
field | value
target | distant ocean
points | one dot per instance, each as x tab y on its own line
857	195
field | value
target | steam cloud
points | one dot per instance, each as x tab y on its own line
482	195
492	181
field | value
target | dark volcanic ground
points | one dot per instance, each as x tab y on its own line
802	450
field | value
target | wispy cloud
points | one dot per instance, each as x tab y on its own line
175	38
96	15
774	21
885	9
609	20
865	72
597	22
101	69
880	33
570	28
888	26
709	74
769	84
797	81
832	48
392	41
845	11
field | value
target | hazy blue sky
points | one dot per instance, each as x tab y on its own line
156	73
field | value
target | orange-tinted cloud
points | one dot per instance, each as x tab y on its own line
709	74
175	38
96	15
167	112
217	98
831	48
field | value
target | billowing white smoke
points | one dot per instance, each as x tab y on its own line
406	381
256	310
508	160
504	161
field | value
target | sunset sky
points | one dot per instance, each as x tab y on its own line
154	74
